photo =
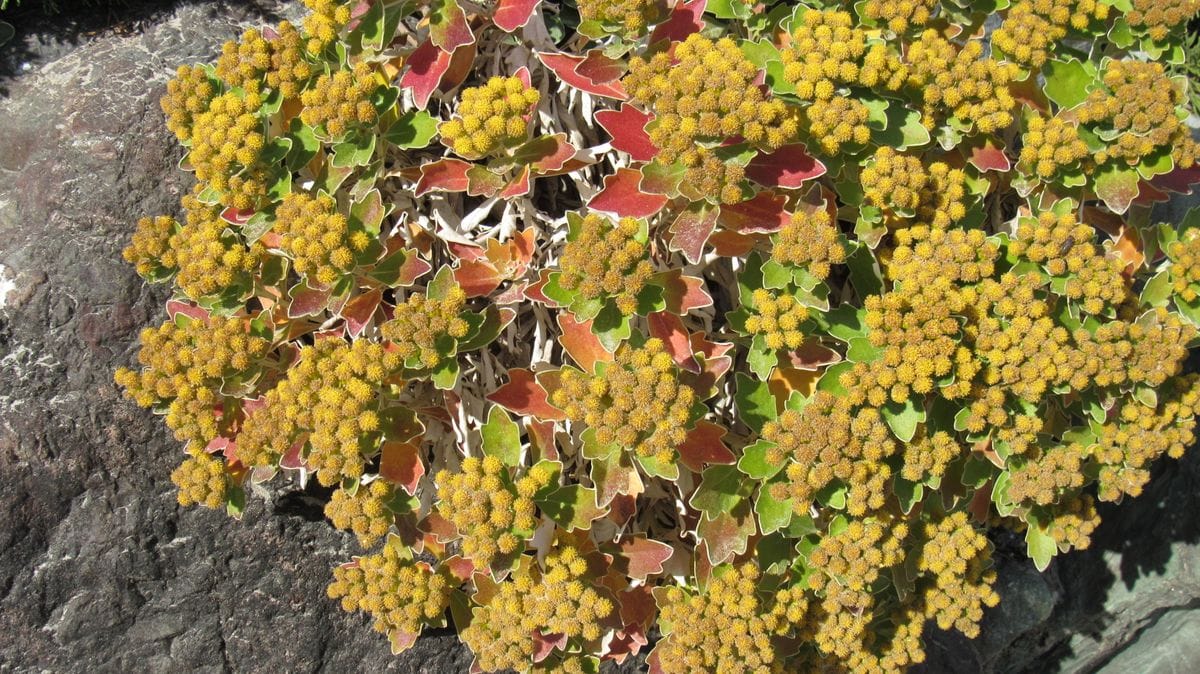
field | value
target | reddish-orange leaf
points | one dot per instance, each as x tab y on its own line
513	14
789	166
564	66
622	195
670	329
683	21
703	445
764	214
525	395
639	557
426	66
477	277
581	343
400	463
627	126
683	293
449	175
692	229
359	310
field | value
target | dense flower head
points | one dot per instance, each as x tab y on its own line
1184	269
188	95
1140	434
710	177
730	627
201	480
706	91
149	249
811	239
830	440
925	254
490	117
637	401
244	61
317	237
1027	36
956	558
606	260
226	142
326	21
558	601
1046	473
290	68
904	188
900	15
183	368
420	323
827	51
837	122
1050	147
777	318
486	506
961	82
928	456
1060	243
342	101
1072	521
400	594
209	256
332	396
1159	17
633	16
1137	103
365	512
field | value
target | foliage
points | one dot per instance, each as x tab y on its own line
851	285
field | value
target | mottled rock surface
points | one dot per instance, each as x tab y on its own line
100	570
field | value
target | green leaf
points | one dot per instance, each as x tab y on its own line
1068	82
833	496
611	327
760	358
903	419
846	323
908	493
304	145
721	488
439	287
754	461
445	375
755	404
864	272
414	129
775	275
862	351
1117	187
654	468
501	437
904	128
1039	544
830	382
1157	291
977	472
356	152
728	9
772	513
572	507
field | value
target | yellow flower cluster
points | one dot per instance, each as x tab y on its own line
902	187
711	178
837	122
1160	347
828	50
485	509
401	595
201	480
342	101
1048	473
332	394
637	401
830	441
149	249
706	92
634	16
184	368
925	254
1032	28
810	239
1064	246
364	512
927	456
956	556
1184	269
244	61
900	15
605	261
420	323
558	601
210	258
1159	17
290	69
1023	348
778	319
1051	146
1073	521
1138	102
1099	284
325	22
188	95
226	142
317	237
1128	445
961	82
490	117
730	626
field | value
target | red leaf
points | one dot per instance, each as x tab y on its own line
703	445
731	244
789	167
293	458
187	309
464	251
513	14
683	293
683	21
400	463
236	217
1179	180
525	395
600	68
462	63
987	156
541	438
564	66
691	230
460	567
644	557
306	301
442	529
545	153
669	328
518	186
623	196
545	644
728	534
449	175
764	214
535	292
579	341
359	310
627	126
426	66
477	277
448	27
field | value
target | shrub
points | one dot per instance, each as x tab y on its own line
851	288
